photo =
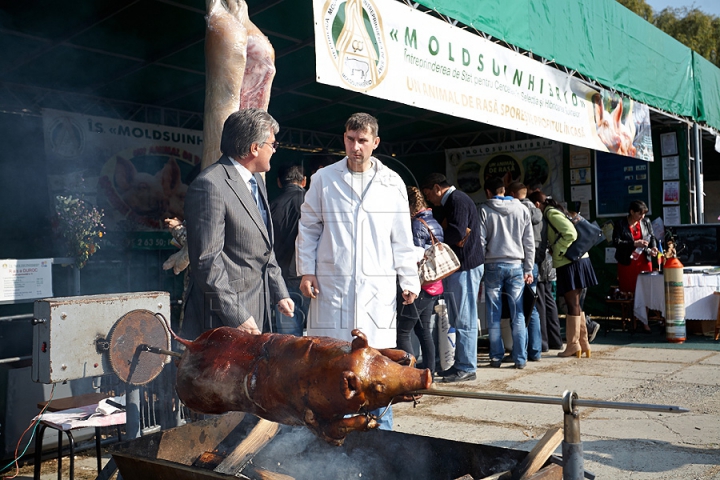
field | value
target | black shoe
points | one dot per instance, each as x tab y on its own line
446	373
536	359
519	366
495	363
459	376
507	359
593	329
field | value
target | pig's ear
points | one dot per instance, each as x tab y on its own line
350	385
124	174
170	177
360	340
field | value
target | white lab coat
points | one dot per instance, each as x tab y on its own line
357	248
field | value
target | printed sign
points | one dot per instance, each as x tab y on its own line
25	279
532	162
390	50
134	171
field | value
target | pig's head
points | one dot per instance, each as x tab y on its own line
378	377
157	196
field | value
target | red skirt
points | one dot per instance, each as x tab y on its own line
628	274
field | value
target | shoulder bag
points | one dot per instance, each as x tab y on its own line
438	262
588	235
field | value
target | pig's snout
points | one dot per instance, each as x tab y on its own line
413	379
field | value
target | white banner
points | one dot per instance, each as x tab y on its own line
528	161
390	50
134	171
25	279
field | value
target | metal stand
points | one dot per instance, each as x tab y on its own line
572	448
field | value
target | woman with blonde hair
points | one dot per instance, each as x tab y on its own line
418	315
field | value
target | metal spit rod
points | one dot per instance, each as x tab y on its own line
551	400
160	351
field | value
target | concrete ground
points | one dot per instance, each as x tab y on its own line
618	444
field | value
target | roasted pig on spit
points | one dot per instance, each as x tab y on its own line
326	384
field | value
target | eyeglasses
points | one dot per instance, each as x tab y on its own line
274	144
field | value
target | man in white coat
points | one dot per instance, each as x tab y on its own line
354	243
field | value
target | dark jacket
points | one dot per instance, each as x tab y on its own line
285	211
624	243
461	214
421	236
536	218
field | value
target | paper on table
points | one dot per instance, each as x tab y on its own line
88	416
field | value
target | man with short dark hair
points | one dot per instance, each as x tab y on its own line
462	233
506	238
355	245
234	274
285	210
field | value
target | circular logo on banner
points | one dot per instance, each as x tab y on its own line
66	137
355	37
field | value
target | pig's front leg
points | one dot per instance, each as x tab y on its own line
399	356
336	431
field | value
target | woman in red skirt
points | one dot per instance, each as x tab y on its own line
635	245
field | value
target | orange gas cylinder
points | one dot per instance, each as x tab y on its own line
674	301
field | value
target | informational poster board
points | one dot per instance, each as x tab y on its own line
619	181
25	279
532	162
133	171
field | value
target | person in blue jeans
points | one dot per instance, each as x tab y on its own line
418	316
507	240
534	345
462	233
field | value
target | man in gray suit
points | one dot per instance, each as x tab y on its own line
234	275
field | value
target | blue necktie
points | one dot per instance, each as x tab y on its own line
258	202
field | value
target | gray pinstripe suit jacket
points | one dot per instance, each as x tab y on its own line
233	270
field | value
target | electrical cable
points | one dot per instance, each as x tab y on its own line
34	426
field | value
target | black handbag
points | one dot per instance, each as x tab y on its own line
588	235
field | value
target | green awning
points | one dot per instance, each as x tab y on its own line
604	41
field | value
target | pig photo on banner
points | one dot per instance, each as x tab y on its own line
136	172
531	162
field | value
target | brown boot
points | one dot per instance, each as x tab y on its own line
572	332
584	342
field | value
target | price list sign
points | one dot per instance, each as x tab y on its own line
25	279
619	181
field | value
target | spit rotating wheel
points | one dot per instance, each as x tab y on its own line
128	342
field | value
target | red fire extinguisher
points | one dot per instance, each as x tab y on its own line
675	331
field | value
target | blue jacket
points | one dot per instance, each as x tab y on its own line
421	236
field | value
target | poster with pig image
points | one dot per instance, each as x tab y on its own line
136	172
622	125
141	188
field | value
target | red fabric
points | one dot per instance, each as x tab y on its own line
628	274
435	288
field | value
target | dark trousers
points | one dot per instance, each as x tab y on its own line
416	317
549	322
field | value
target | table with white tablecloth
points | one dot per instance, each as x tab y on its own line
699	288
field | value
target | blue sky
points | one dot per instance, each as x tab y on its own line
711	7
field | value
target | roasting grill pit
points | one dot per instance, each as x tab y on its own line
193	450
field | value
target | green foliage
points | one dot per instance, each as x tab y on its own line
688	25
639	7
80	226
